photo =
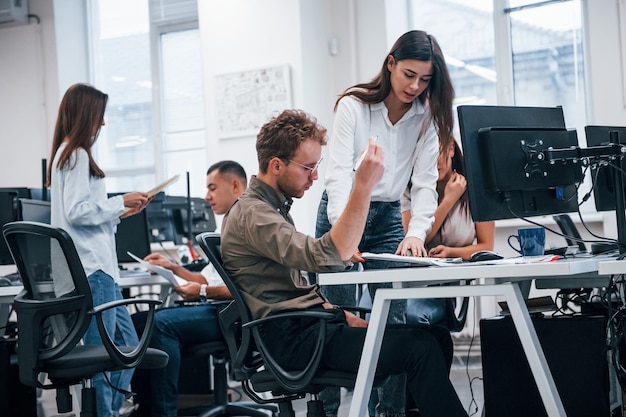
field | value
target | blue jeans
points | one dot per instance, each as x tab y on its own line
173	328
426	311
119	325
383	233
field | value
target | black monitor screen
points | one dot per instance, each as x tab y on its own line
34	210
604	182
507	175
22	192
160	220
202	216
132	236
8	213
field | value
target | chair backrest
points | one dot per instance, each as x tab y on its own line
52	309
236	318
455	322
240	343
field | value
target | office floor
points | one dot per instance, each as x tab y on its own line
465	368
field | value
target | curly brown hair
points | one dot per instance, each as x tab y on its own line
282	134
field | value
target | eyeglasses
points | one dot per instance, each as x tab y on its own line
312	170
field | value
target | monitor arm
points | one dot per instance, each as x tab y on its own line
613	152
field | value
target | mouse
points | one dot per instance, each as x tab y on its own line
484	255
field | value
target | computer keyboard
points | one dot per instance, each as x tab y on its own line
129	273
10	279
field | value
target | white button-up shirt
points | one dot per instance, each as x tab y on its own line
411	148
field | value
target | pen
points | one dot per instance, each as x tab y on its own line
361	157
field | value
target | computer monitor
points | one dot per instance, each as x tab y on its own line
132	236
604	182
34	210
22	192
8	213
202	216
504	154
160	220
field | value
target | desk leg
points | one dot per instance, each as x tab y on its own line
371	351
521	319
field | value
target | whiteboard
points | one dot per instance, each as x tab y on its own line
247	99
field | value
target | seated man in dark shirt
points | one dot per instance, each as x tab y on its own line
264	253
157	389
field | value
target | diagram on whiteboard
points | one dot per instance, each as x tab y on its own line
247	99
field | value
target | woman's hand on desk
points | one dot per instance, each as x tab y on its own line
411	246
441	251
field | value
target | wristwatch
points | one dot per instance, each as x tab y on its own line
203	292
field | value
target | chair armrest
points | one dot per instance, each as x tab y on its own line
290	315
362	311
123	302
133	358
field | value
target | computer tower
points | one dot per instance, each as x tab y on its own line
577	354
16	399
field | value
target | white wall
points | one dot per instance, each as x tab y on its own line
298	36
28	85
38	62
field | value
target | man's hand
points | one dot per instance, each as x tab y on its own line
160	260
189	292
354	321
372	168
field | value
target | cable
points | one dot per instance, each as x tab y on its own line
601	239
469	378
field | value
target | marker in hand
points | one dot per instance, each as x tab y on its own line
361	157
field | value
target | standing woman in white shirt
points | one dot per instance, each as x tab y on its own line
80	206
408	107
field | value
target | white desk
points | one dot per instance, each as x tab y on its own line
612	267
7	294
501	280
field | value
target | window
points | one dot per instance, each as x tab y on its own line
547	54
516	52
151	133
531	54
121	68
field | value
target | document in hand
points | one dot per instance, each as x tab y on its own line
151	193
165	273
417	261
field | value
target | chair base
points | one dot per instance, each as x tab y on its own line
239	409
224	408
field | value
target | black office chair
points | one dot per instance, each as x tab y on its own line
455	318
254	366
53	312
221	406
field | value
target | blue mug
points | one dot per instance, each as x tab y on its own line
531	241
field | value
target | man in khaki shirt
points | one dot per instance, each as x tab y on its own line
264	254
